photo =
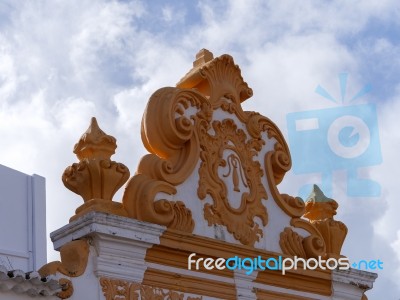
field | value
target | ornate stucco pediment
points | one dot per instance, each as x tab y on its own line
210	180
213	168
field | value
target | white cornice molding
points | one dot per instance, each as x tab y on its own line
107	224
352	283
120	243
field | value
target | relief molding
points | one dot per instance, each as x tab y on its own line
177	142
238	221
292	243
123	290
179	131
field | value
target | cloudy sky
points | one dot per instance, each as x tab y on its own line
62	62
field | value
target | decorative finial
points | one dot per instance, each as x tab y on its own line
96	178
202	57
320	211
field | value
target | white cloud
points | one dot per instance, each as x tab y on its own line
167	13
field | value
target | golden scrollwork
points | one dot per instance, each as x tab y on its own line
74	258
123	290
314	244
176	143
174	149
294	244
181	131
238	221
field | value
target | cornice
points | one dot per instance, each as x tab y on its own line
109	225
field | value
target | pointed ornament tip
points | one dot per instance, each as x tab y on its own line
318	206
317	195
95	143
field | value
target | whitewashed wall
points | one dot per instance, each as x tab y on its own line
22	220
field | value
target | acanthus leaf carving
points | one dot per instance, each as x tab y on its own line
314	244
292	243
311	246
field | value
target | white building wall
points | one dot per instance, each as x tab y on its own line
22	220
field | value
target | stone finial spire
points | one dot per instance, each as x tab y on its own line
96	178
320	210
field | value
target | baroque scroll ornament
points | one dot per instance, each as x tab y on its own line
199	126
179	129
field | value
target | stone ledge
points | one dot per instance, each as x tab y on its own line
107	224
